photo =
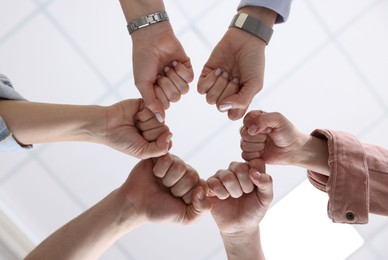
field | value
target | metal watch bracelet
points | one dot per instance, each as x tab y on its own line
147	20
252	25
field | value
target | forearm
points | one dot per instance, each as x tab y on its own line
312	155
90	234
133	9
243	246
33	123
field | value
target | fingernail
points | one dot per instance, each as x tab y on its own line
256	175
252	130
168	138
174	63
159	117
225	74
225	107
166	69
201	194
236	81
218	72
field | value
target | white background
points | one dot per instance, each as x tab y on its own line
326	67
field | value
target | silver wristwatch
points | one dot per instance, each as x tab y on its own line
147	20
250	24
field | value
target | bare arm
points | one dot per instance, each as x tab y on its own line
114	126
135	203
34	123
133	9
91	233
162	70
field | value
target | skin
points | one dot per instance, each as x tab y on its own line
114	126
135	203
162	70
272	137
241	197
234	72
167	180
169	168
164	180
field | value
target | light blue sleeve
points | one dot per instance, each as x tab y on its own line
282	7
7	141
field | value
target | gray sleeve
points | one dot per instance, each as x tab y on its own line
6	89
282	7
7	141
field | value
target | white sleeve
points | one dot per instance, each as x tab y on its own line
282	7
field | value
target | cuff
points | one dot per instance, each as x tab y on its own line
348	183
282	7
7	141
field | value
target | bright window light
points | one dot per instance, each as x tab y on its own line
297	227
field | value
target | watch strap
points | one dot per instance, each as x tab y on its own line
253	26
147	20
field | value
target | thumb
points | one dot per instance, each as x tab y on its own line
263	182
160	146
262	122
184	70
200	203
243	98
235	114
152	103
257	164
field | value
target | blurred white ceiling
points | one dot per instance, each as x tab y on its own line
326	68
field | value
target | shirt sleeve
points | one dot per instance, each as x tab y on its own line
358	181
282	7
7	141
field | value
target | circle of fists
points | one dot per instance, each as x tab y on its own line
168	189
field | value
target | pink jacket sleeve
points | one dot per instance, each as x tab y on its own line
358	182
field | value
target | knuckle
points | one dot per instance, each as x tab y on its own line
242	168
167	182
211	99
175	97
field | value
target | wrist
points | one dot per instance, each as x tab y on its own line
240	235
148	34
133	9
312	155
243	245
94	124
129	215
254	23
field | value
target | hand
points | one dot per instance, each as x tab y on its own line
161	67
233	75
176	175
283	144
146	193
141	199
150	127
239	58
281	141
242	197
122	134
